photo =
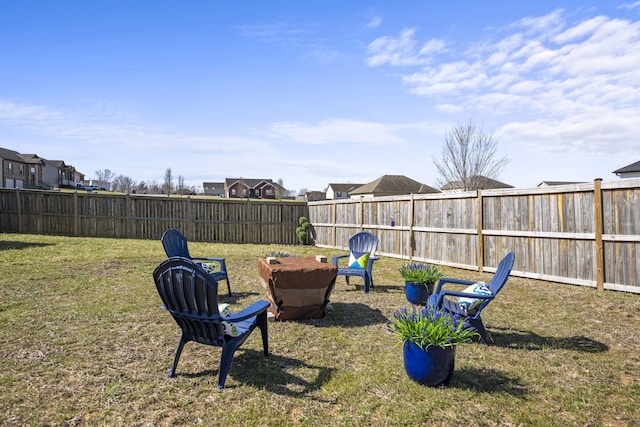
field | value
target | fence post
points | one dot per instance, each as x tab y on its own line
19	208
127	206
597	204
411	236
335	225
76	221
480	238
361	212
190	226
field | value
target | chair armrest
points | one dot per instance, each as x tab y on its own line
370	263
335	258
220	261
253	310
446	280
441	295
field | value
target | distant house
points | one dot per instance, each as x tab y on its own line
477	182
252	188
59	174
32	171
314	196
213	188
14	167
340	191
20	170
41	174
392	185
554	183
629	171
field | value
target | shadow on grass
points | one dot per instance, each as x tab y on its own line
529	341
352	314
7	245
383	289
223	297
279	374
487	381
358	286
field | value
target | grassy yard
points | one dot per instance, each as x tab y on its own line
83	341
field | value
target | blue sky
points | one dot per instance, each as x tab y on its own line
319	92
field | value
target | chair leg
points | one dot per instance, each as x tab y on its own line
229	286
367	283
262	324
225	363
181	344
477	323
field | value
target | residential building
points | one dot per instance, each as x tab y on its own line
313	196
252	188
213	189
629	171
392	185
32	171
22	170
14	169
554	183
477	182
340	191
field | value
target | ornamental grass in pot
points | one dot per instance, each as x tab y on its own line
430	337
419	281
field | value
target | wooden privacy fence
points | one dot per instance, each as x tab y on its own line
147	217
586	234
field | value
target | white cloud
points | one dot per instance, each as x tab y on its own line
629	5
580	80
336	131
374	22
402	50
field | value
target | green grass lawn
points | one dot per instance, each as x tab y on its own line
83	341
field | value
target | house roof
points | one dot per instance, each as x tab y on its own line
57	163
249	182
551	183
389	185
11	155
483	183
633	167
346	188
32	158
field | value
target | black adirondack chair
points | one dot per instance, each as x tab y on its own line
190	295
175	244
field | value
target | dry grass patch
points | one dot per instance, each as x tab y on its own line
84	342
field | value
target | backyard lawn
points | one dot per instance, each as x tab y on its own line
84	342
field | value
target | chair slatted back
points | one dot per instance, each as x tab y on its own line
191	296
363	242
499	279
175	244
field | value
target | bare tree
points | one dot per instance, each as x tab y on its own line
154	187
123	184
104	175
167	187
142	188
468	157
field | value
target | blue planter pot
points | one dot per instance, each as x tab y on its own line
417	293
432	367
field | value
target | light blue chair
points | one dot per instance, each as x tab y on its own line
449	299
359	244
